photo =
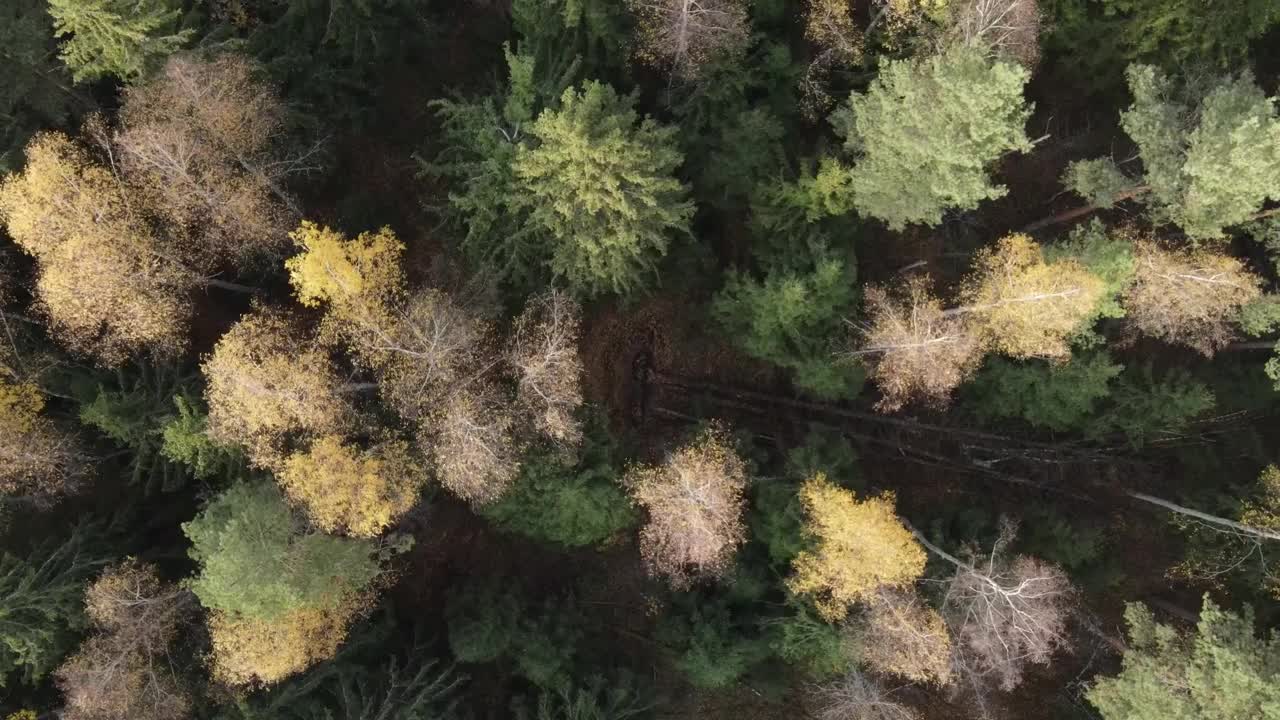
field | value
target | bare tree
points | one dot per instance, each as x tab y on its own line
857	696
914	349
684	34
472	443
543	350
902	636
695	502
1009	27
127	669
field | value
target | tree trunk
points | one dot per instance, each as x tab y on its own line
1260	533
1253	345
233	287
1072	214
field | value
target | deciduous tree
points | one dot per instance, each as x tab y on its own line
901	635
694	501
858	696
860	547
37	459
543	351
250	650
1009	27
472	442
347	489
925	133
128	667
684	34
265	382
601	183
116	37
1188	297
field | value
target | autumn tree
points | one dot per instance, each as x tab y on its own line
103	276
1216	553
116	37
914	350
1220	671
37	459
266	382
900	635
128	668
1210	160
344	488
1188	297
694	501
859	548
858	696
684	34
42	602
1026	307
204	145
925	133
1004	611
280	598
601	183
473	445
1011	28
543	351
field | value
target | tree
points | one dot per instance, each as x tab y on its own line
926	131
116	37
913	348
1215	553
543	351
128	668
1011	28
1026	307
104	279
1062	397
1004	612
695	501
789	319
602	187
685	34
858	696
473	445
346	489
1221	671
42	602
859	548
37	93
256	562
1188	297
1210	160
204	144
902	636
37	459
250	650
265	382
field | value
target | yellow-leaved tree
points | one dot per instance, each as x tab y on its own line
249	650
343	488
36	458
265	382
1026	307
860	547
103	278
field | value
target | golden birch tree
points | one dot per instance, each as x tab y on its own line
543	351
345	489
36	458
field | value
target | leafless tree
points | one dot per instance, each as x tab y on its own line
902	636
914	349
685	34
695	502
40	461
857	696
472	443
1009	27
127	669
543	350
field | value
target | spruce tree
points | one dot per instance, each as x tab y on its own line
116	37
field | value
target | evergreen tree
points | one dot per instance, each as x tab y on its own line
1221	671
116	37
600	183
925	133
37	93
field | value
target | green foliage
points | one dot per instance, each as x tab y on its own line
489	622
185	441
482	620
255	560
926	131
715	645
827	451
124	38
1178	32
1144	406
818	648
572	503
1099	181
1221	672
36	93
596	699
789	319
546	642
777	520
1106	256
42	603
602	187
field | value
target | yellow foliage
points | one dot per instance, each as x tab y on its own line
20	406
1265	512
263	381
1026	307
263	652
861	547
102	277
22	715
903	636
345	489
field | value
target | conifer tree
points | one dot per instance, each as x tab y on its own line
116	37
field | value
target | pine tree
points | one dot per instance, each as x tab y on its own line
925	133
116	37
